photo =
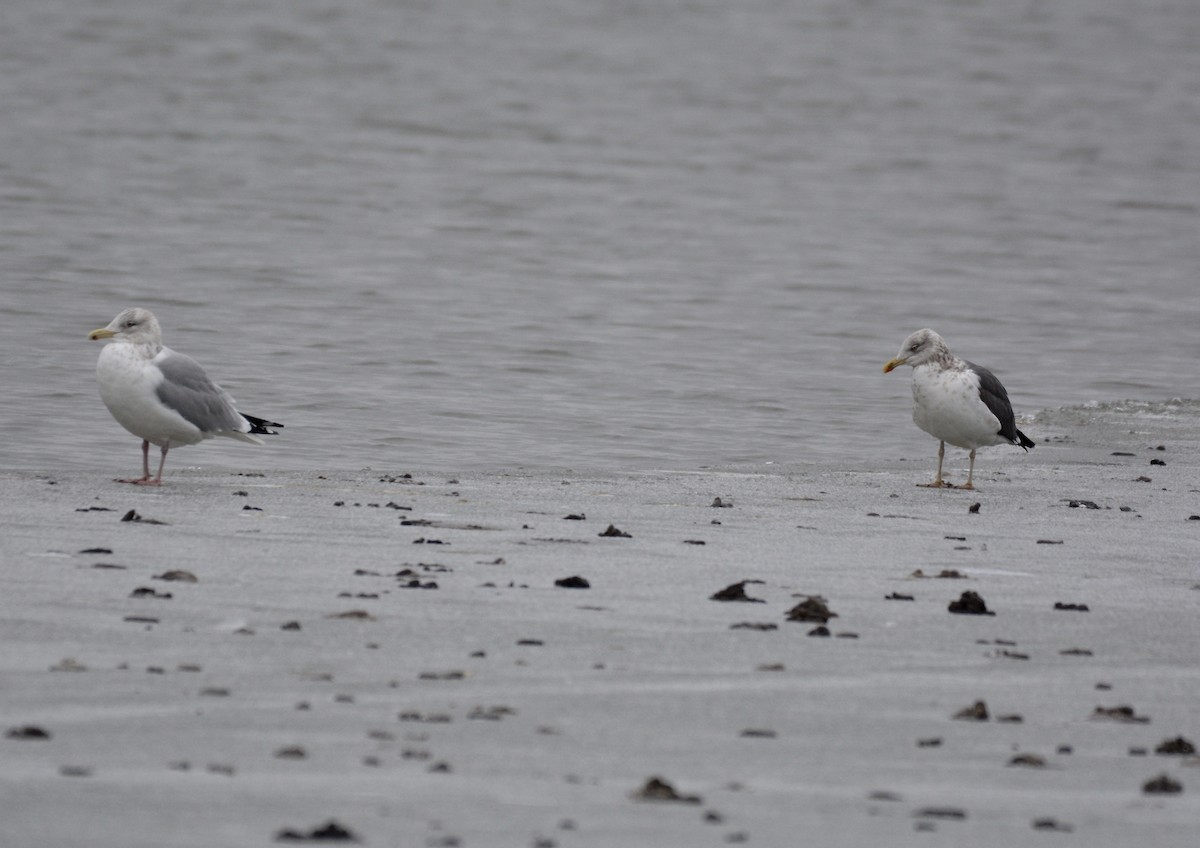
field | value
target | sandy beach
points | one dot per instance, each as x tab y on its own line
385	656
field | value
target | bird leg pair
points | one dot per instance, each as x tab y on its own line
938	482
146	479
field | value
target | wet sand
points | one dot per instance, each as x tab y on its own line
392	654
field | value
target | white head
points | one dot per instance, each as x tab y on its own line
921	347
134	325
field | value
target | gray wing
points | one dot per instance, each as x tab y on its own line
187	390
992	393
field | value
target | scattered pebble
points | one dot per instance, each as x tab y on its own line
574	582
974	508
754	625
721	504
1028	761
29	731
955	813
133	515
930	742
658	789
1059	605
331	831
1122	713
969	603
1164	784
896	596
177	576
812	608
819	630
736	592
758	733
1076	504
1175	747
612	531
978	711
1052	824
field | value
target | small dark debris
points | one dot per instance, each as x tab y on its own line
930	742
1164	784
1076	504
736	592
978	711
361	615
944	574
1010	718
29	731
147	592
141	619
657	789
1157	462
1122	713
613	532
754	625
1052	824
107	551
75	771
974	508
819	630
694	542
1059	605
110	565
424	541
291	752
1175	747
1012	655
331	831
94	509
1075	652
812	608
1137	752
970	603
575	516
956	538
248	508
896	596
177	576
1049	541
531	642
1122	453
720	504
955	813
758	733
1142	478
574	582
133	515
290	625
1028	761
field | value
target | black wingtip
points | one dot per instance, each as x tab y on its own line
260	426
1022	441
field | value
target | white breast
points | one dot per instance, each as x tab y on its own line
127	387
946	405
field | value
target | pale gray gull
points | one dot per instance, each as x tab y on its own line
956	401
162	396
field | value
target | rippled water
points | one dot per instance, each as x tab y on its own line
481	234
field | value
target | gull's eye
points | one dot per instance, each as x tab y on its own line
914	346
131	323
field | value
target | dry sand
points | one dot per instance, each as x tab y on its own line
392	654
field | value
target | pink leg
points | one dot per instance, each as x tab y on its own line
145	467
145	479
